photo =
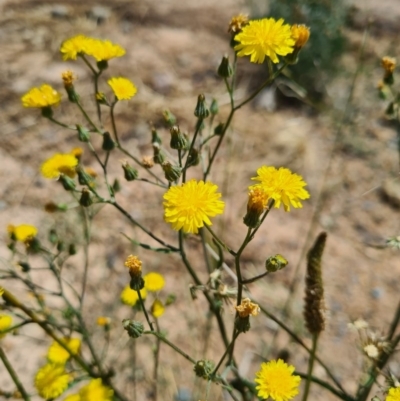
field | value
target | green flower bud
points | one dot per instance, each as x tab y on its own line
204	368
169	118
47	112
108	143
102	65
134	329
172	173
275	263
60	246
83	177
72	249
53	237
242	324
86	199
201	110
137	282
25	266
159	155
116	186
214	108
67	183
83	133
193	157
130	173
101	98
178	141
154	136
225	70
219	129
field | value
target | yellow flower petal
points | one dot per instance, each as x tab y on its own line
23	232
157	309
59	164
96	391
58	355
103	50
153	281
130	297
123	88
5	323
72	47
51	381
45	96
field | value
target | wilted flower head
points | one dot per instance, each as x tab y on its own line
265	38
388	64
68	78
247	308
237	23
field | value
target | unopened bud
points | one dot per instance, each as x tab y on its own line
130	173
169	118
178	140
154	136
102	65
116	186
86	199
108	143
225	70
193	157
159	155
219	129
214	109
83	133
83	177
204	368
72	249
275	263
67	183
172	173
134	329
201	111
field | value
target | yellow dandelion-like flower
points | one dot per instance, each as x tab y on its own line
45	96
393	394
103	321
73	47
103	50
276	380
51	381
96	391
282	185
73	397
300	34
189	206
265	37
130	297
23	232
123	88
157	309
58	355
59	164
153	281
247	308
5	323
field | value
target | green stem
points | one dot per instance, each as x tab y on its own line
13	375
173	346
144	310
219	241
199	122
251	280
310	366
225	353
61	124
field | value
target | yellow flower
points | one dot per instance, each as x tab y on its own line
73	397
189	206
393	394
153	281
73	47
96	391
68	78
77	152
300	34
45	96
247	308
51	381
388	64
58	355
23	232
282	185
134	264
5	323
103	321
265	37
59	164
123	88
276	380
103	50
130	297
157	309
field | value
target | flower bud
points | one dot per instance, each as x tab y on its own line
108	143
388	64
67	183
83	133
225	70
219	129
86	199
159	155
68	79
193	157
72	249
169	118
154	136
256	205
116	186
83	177
201	110
275	263
214	108
204	368
172	173
102	65
25	266
178	140
134	264
130	173
134	329
101	98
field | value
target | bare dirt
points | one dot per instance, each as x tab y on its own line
173	50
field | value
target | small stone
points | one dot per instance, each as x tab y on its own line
60	11
377	293
99	14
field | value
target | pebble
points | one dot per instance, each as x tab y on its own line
377	293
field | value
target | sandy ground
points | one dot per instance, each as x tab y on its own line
173	50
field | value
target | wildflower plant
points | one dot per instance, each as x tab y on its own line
193	201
